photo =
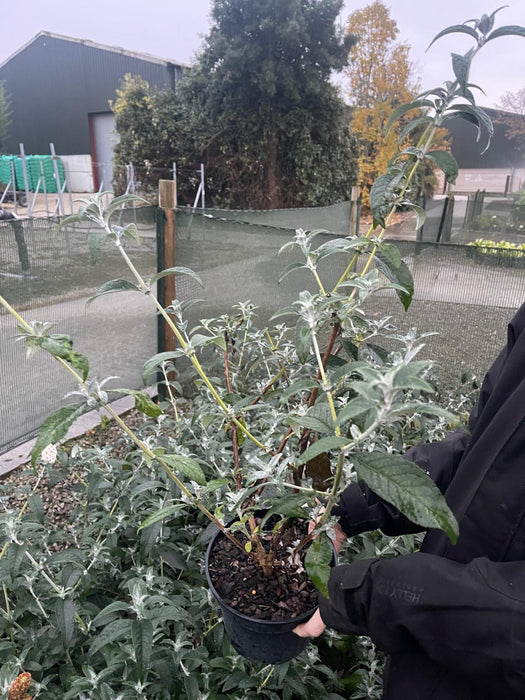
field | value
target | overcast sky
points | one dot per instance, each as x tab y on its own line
174	29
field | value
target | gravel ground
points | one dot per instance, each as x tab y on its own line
58	490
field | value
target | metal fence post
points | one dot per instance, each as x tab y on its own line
166	291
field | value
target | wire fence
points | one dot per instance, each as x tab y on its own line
48	276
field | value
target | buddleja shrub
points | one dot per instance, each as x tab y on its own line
297	410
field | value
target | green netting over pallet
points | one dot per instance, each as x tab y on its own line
34	172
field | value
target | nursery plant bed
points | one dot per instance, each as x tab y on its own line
496	257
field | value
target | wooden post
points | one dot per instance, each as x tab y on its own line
166	291
354	206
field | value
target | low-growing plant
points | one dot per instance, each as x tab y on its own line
285	416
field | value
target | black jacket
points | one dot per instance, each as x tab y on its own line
452	618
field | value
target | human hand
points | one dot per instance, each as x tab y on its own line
312	627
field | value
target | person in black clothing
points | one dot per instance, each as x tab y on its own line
451	617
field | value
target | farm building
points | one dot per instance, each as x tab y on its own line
60	89
501	168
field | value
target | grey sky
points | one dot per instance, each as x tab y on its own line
174	29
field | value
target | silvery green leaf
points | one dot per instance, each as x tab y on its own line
113	286
297	388
178	270
187	466
445	162
160	514
290	268
55	427
289	507
355	407
65	615
456	28
302	340
142	639
113	632
508	30
155	363
404	108
322	445
318	419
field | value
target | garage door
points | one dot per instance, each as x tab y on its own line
103	139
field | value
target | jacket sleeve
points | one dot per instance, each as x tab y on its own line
360	510
467	617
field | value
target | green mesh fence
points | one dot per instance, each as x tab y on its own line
48	276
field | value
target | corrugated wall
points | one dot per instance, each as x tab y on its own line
55	83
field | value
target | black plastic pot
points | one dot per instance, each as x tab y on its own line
271	642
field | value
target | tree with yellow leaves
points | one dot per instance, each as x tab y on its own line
381	78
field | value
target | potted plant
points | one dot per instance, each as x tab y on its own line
301	400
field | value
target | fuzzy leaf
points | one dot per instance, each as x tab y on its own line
113	632
382	193
171	556
142	638
187	466
389	262
322	445
418	408
109	613
508	30
158	515
65	614
461	68
71	219
121	201
297	388
177	271
302	340
456	28
288	507
37	508
318	418
355	407
317	563
407	487
113	286
154	363
55	427
445	162
290	268
62	346
403	109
